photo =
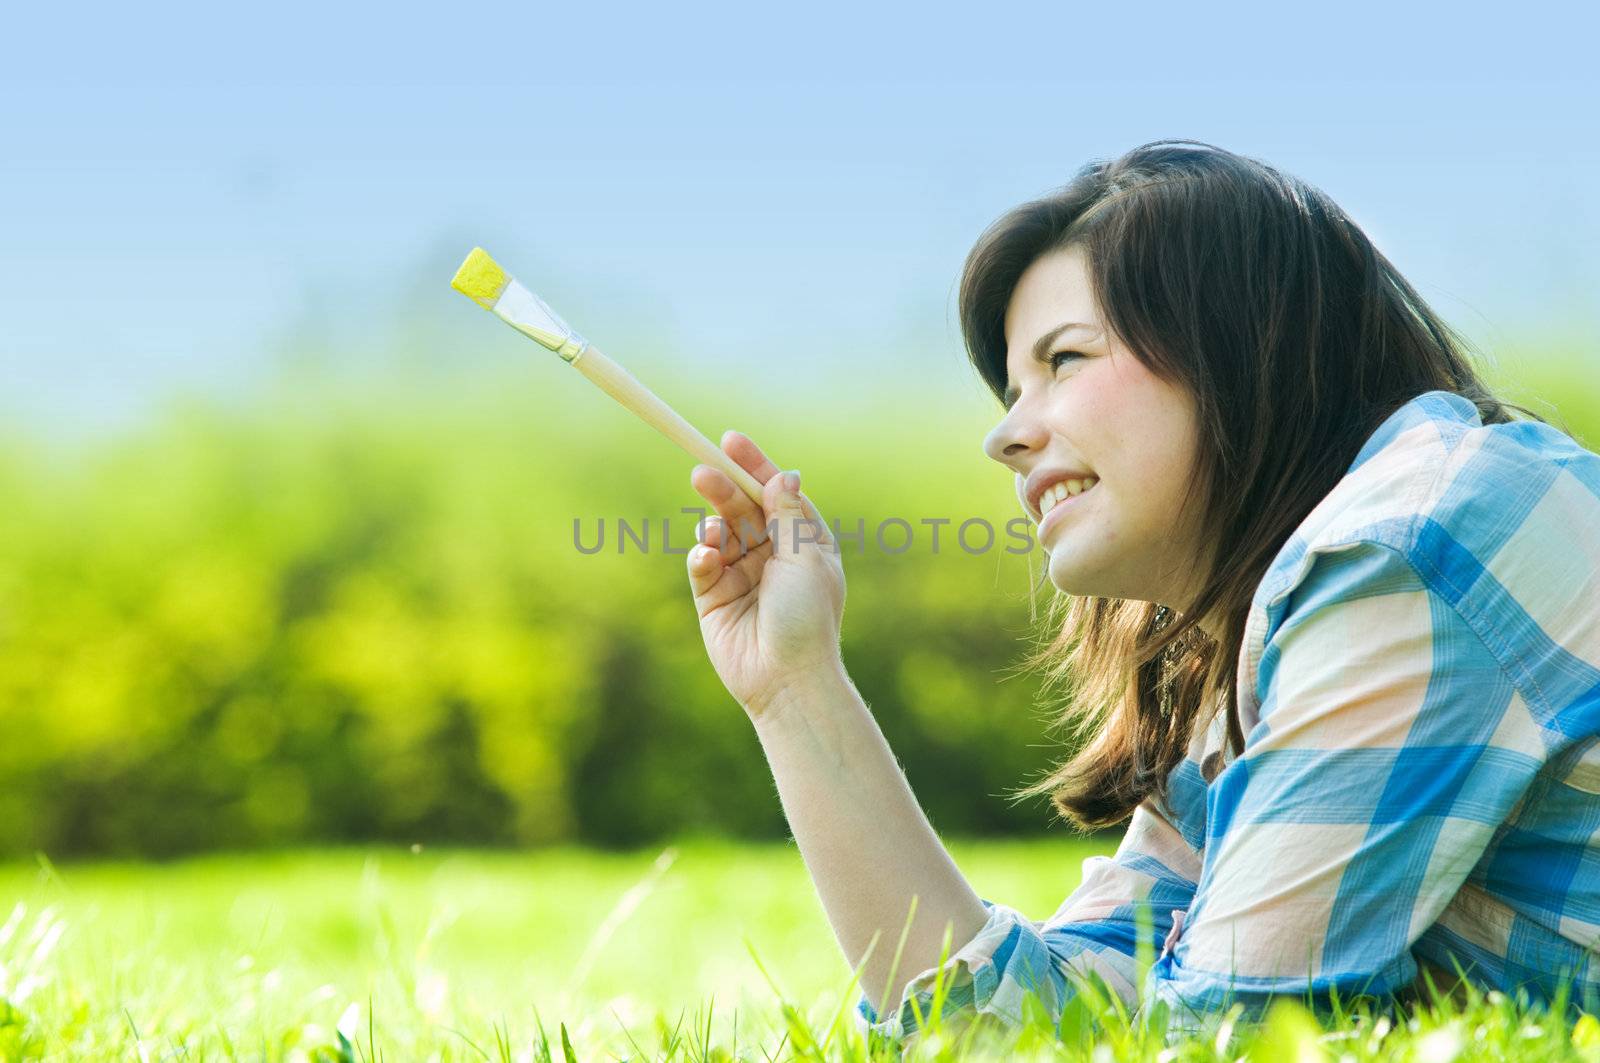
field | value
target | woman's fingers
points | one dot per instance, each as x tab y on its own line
732	551
745	519
742	449
705	572
713	583
820	531
714	533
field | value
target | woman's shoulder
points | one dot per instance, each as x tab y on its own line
1500	522
1517	502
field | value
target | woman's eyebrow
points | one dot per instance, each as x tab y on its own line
1041	345
1041	352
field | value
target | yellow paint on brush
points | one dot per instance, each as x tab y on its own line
480	279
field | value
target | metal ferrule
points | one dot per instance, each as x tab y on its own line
528	314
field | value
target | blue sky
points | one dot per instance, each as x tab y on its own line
186	193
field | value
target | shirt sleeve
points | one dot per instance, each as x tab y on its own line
1391	746
1095	932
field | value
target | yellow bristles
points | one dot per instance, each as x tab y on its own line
480	279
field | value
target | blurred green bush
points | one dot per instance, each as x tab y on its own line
346	612
339	614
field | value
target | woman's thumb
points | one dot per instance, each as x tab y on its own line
791	529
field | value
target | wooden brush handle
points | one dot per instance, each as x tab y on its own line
621	385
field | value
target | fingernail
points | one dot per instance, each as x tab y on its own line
791	481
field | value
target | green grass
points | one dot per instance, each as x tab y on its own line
404	955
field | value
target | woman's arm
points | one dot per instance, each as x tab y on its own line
770	600
768	583
865	840
1119	917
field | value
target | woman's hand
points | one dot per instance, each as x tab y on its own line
768	583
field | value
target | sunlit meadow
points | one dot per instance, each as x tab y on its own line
324	743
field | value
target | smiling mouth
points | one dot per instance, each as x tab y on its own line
1062	492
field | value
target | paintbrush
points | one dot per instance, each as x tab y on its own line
482	280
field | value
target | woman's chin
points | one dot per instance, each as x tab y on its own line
1072	574
1065	576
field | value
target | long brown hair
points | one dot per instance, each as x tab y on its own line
1296	338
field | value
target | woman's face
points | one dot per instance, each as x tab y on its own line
1080	404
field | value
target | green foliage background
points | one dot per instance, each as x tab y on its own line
351	610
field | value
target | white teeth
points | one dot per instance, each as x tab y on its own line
1078	487
1059	492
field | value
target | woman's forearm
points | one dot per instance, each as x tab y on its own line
865	840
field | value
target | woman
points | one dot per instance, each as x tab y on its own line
1327	610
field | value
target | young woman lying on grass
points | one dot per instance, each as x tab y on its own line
1329	617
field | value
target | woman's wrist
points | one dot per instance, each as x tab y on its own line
822	684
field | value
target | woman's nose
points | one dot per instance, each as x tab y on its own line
1016	436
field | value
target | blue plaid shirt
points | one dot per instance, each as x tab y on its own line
1419	686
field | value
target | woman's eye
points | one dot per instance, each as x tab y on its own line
1060	356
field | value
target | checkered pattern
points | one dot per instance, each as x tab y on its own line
1419	685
